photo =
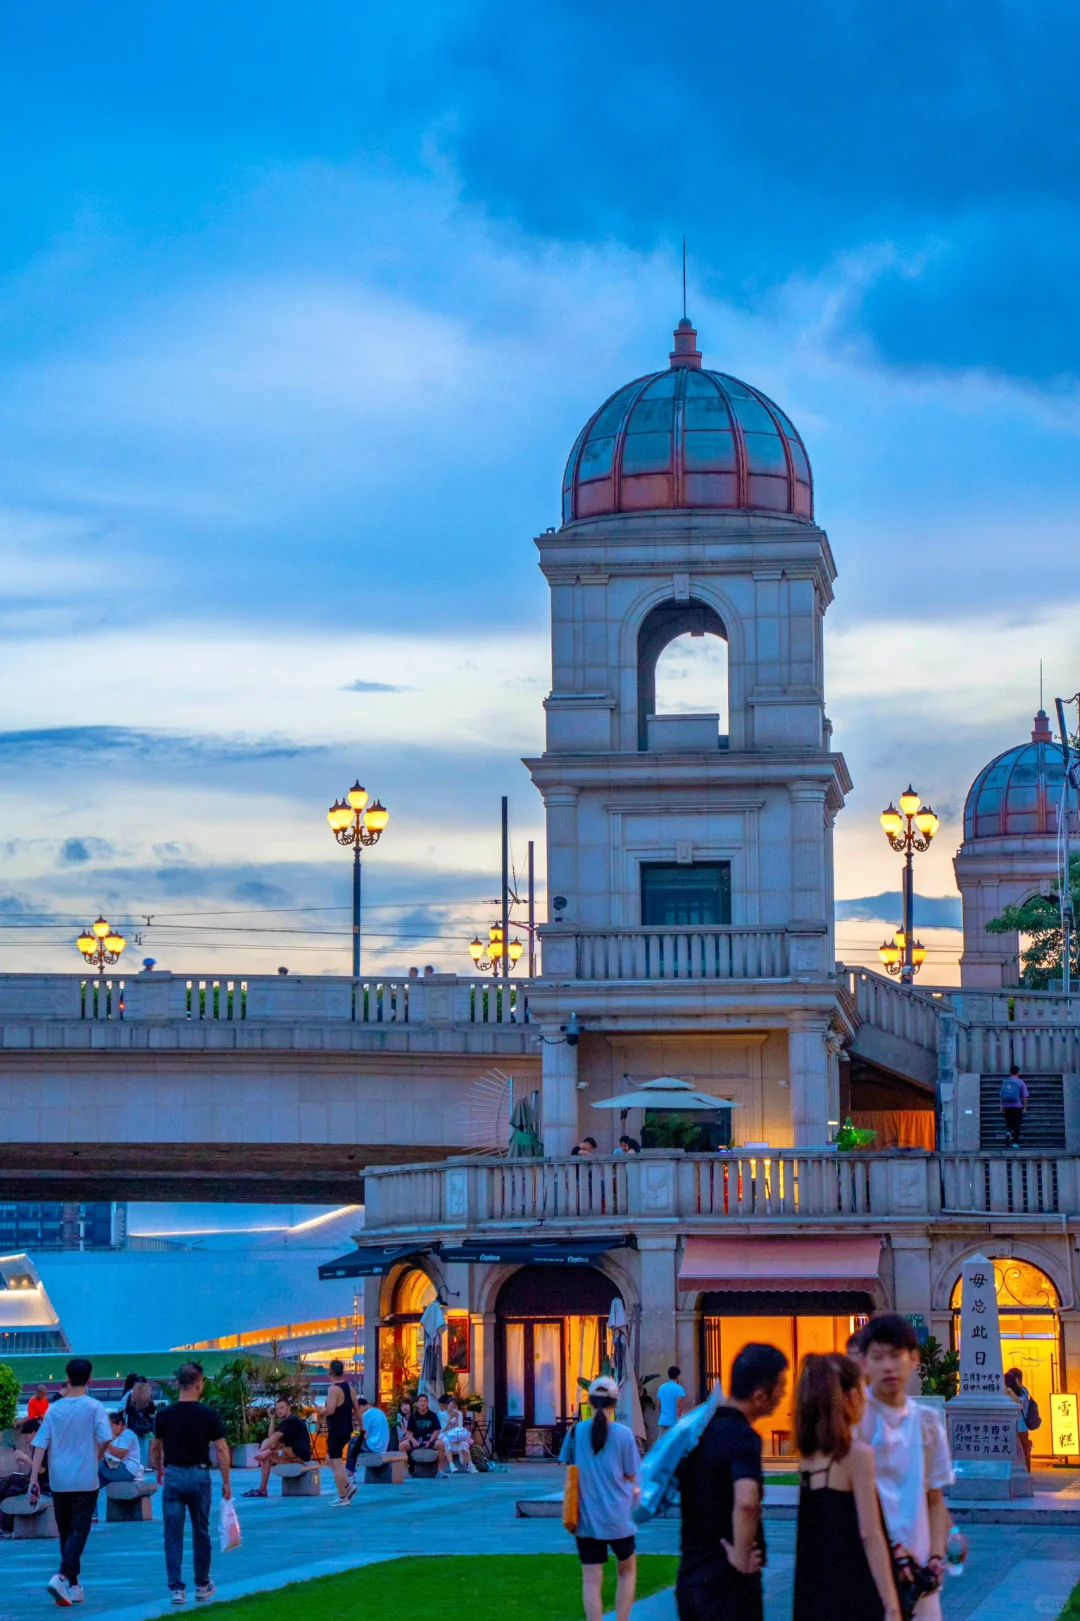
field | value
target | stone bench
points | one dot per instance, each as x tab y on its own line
127	1500
383	1468
299	1479
31	1519
424	1462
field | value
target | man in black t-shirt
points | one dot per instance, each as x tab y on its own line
180	1453
720	1486
425	1430
289	1441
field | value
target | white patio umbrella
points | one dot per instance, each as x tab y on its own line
433	1322
628	1405
666	1093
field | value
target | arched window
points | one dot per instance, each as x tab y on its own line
693	676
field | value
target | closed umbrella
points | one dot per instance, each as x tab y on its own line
524	1137
628	1405
433	1322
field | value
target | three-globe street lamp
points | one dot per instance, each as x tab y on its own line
356	822
493	962
908	829
101	945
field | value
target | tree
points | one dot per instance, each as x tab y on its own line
939	1370
1038	919
10	1387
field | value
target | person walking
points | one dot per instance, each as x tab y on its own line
607	1461
911	1453
180	1454
340	1415
720	1485
843	1566
1013	1101
670	1400
73	1432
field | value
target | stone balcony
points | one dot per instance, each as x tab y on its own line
659	1187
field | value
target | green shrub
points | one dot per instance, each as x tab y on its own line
10	1386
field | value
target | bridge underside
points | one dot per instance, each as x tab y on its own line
247	1173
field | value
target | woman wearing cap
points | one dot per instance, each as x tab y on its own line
607	1461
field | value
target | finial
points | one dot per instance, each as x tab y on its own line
1042	732
686	354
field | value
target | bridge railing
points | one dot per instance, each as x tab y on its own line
683	953
659	1186
911	1015
439	999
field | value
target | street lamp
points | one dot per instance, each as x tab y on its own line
356	822
101	944
493	962
908	829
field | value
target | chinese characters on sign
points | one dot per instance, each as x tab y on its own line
982	1438
1063	1425
980	1335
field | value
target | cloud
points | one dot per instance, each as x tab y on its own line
57	743
931	911
76	852
373	686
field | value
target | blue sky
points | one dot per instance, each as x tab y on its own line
302	310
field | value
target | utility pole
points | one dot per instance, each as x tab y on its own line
505	889
532	910
1067	919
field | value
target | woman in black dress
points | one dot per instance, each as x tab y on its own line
843	1567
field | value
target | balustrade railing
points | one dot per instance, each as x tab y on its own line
899	1011
442	999
694	1189
719	953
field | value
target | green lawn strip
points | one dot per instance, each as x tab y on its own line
482	1586
1071	1612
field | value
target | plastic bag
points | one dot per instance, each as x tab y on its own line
228	1526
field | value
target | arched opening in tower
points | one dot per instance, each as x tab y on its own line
682	671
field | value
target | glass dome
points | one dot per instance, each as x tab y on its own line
687	438
1020	791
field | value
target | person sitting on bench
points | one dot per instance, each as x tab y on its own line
15	1468
373	1436
288	1442
121	1459
425	1431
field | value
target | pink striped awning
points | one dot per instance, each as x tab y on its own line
780	1263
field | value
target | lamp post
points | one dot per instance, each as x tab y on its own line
908	829
497	961
355	822
101	945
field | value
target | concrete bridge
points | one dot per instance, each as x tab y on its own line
271	1088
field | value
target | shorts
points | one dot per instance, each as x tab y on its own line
593	1550
335	1445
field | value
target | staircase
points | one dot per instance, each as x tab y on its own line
1044	1122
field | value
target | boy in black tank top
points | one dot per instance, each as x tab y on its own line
340	1416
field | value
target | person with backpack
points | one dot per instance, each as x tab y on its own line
721	1483
340	1416
139	1411
1029	1418
1013	1100
605	1456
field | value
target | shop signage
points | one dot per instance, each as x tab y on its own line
1063	1425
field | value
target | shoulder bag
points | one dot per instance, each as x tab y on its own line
571	1502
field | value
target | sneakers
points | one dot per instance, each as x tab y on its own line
61	1592
75	1592
179	1595
342	1502
256	1491
205	1592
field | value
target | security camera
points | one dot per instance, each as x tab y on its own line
573	1030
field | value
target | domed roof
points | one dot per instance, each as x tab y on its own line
1020	791
687	438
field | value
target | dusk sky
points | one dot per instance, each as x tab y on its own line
303	308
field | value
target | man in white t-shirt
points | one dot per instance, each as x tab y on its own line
374	1434
74	1432
911	1451
671	1399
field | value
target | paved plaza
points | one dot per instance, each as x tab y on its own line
1014	1571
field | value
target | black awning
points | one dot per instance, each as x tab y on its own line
538	1251
371	1261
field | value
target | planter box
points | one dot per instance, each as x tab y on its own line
243	1457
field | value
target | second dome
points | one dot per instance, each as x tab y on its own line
686	437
